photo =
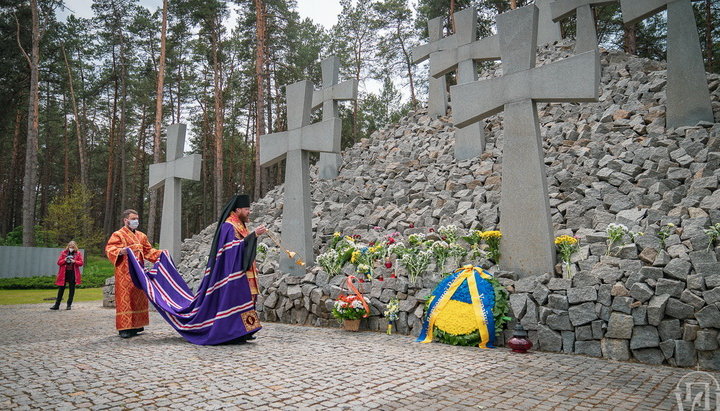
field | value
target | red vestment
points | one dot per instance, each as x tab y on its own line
131	303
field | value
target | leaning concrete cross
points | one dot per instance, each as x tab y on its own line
527	245
170	174
295	145
327	97
688	97
437	90
586	35
548	30
470	140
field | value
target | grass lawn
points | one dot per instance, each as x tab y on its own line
47	296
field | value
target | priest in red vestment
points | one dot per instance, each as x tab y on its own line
131	303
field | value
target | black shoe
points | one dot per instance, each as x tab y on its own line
55	307
68	307
139	330
127	333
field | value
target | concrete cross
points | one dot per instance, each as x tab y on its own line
170	174
527	244
586	34
437	90
469	140
548	30
688	97
295	146
327	97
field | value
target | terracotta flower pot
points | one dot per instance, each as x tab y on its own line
351	325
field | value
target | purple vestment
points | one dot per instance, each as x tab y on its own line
222	309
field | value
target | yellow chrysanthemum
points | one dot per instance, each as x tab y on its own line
456	318
336	234
491	234
355	256
565	240
350	239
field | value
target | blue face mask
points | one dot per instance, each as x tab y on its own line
133	224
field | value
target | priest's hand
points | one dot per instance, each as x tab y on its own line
123	251
260	230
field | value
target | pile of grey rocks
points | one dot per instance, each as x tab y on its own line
608	162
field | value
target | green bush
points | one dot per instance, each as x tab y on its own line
97	270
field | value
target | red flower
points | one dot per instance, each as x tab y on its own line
432	230
388	264
412	225
372	243
391	240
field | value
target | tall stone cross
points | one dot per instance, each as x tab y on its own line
327	97
688	97
548	30
527	244
169	174
586	34
295	146
437	90
469	140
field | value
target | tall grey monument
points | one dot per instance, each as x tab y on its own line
169	174
527	244
688	97
327	97
437	90
469	140
586	34
295	146
548	30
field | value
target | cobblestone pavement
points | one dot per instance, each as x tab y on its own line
74	359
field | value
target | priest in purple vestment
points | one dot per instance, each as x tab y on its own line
222	309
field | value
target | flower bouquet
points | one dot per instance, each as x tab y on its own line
349	309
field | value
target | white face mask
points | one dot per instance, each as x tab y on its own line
133	224
72	250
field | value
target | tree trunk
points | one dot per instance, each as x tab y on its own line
8	187
110	181
31	149
80	137
409	65
140	166
708	35
158	119
66	152
630	39
452	16
260	103
219	110
123	121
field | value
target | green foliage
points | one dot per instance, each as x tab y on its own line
68	218
42	238
96	270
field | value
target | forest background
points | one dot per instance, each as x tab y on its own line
86	101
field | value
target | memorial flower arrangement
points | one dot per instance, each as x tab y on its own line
414	253
457	324
349	307
616	235
262	250
391	313
567	246
492	241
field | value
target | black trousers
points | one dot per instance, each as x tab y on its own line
70	280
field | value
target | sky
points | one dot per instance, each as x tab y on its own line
323	12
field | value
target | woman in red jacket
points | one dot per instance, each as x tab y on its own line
70	261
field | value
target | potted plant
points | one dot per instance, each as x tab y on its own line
349	309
